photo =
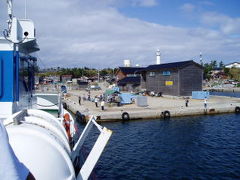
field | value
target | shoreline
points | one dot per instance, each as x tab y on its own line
158	108
237	90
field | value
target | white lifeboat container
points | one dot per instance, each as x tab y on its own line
40	142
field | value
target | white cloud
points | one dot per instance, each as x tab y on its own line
144	3
187	7
94	33
226	24
207	3
118	3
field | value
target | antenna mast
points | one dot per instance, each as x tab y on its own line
10	9
10	14
200	57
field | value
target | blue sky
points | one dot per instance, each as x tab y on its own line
102	33
173	13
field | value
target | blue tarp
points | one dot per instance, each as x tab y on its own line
200	95
126	98
116	89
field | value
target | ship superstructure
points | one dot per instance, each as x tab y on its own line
38	139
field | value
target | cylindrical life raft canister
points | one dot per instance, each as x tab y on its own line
66	122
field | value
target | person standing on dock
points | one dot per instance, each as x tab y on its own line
205	103
89	95
96	101
102	104
118	100
79	100
186	102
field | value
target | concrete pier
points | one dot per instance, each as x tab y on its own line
158	107
235	89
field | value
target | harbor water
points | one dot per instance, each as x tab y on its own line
231	94
199	147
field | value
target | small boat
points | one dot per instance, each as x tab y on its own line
39	139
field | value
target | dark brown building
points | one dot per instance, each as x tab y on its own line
128	78
177	79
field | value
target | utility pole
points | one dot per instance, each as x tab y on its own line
98	76
25	9
200	58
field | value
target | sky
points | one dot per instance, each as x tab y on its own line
102	33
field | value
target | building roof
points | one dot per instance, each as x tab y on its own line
129	80
232	63
130	70
177	65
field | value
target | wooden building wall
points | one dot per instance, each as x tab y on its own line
158	82
120	75
143	81
190	80
129	87
184	81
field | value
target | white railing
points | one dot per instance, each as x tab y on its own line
96	151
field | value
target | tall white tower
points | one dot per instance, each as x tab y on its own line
127	63
158	57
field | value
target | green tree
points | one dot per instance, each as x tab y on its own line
207	70
213	64
235	73
226	71
221	65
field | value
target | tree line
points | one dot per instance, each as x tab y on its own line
77	72
232	73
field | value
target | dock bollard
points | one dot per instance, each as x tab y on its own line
166	114
237	110
125	116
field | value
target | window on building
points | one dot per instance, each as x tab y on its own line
166	73
152	74
132	75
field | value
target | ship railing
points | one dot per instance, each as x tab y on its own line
95	152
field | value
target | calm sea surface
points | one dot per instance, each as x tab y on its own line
199	147
232	94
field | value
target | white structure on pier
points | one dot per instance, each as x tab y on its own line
127	63
158	57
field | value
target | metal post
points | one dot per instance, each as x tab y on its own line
25	9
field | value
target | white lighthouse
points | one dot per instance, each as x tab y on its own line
127	63
158	57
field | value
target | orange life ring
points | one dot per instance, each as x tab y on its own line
66	124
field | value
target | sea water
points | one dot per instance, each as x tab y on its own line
199	147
